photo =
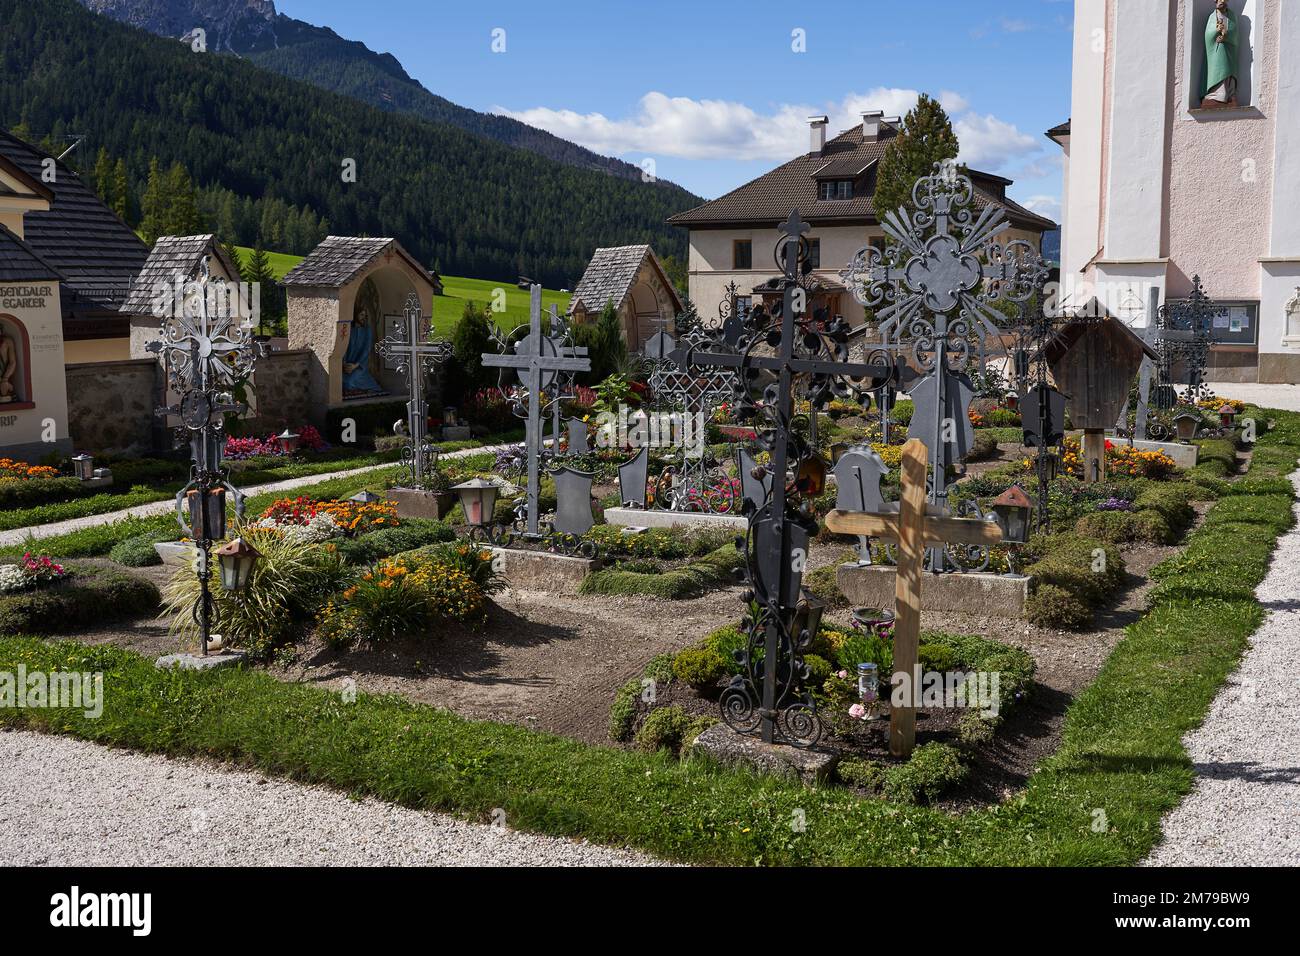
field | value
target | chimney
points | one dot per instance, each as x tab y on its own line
817	134
871	124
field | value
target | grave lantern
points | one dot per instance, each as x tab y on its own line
1186	425
83	466
1011	510
868	682
288	441
1013	401
478	499
808	615
1227	415
365	497
237	560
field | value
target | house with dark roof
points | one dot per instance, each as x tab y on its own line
633	279
343	298
733	237
175	258
45	204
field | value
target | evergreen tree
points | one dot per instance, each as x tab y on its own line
926	138
182	216
153	205
258	270
230	250
104	177
121	191
471	337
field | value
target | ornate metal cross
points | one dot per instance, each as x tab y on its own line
769	697
415	355
933	286
207	358
538	362
1182	334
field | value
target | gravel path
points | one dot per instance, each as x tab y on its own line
66	802
1284	397
19	535
1244	809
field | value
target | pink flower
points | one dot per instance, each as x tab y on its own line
857	712
842	675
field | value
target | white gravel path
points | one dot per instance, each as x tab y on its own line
66	802
19	535
1284	397
1244	809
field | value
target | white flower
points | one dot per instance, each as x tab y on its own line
12	578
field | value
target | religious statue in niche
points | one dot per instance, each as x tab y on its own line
358	381
10	381
1220	59
1291	335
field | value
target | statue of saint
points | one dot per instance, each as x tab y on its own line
1220	59
357	380
8	367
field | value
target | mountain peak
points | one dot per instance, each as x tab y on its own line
237	26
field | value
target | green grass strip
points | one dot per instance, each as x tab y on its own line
1097	801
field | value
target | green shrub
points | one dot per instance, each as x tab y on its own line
137	551
860	647
902	411
974	729
660	669
664	729
867	774
697	726
984	448
664	543
936	657
700	667
1113	527
412	533
1053	606
1172	502
91	595
822	583
27	493
933	768
819	668
1085	567
714	570
622	714
728	640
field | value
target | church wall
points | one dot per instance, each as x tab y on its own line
36	422
81	351
1080	237
282	382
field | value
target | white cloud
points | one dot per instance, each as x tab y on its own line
1016	26
991	144
721	129
1049	206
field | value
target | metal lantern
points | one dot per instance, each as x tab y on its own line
288	441
83	466
1186	425
207	514
1227	416
478	499
808	615
1011	510
237	560
1013	401
868	682
365	497
1049	465
838	450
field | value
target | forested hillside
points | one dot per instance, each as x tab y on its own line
468	205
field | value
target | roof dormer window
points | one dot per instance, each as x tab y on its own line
829	189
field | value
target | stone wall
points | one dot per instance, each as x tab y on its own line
282	386
111	405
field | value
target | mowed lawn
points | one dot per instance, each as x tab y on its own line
448	307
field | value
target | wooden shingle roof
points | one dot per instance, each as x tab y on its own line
610	275
793	185
19	262
170	257
96	252
339	259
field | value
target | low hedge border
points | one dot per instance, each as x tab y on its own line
715	570
90	595
1121	753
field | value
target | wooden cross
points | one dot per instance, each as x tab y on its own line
537	361
914	530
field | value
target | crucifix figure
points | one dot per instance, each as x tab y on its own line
415	354
914	530
778	350
537	361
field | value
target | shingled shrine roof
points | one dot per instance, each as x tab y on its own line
769	198
611	274
19	262
170	257
339	259
95	252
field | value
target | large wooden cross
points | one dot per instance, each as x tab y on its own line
914	530
537	360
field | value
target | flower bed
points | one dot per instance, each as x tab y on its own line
55	598
309	439
308	519
30	573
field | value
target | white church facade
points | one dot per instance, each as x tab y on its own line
1182	158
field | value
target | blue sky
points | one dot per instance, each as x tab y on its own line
714	93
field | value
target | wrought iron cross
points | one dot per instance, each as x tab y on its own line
770	697
537	362
415	355
1183	332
